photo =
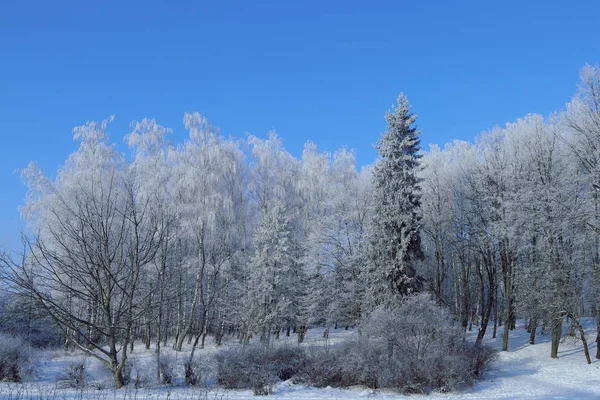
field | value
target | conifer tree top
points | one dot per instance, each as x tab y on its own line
400	138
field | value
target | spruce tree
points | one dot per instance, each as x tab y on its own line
270	280
395	242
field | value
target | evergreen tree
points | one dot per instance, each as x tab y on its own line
270	285
395	242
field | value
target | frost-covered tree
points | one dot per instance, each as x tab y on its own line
95	238
209	174
581	133
275	177
152	173
395	241
270	285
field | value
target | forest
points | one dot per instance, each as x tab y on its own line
220	239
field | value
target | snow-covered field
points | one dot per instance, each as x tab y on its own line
525	372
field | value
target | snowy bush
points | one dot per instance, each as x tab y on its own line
15	359
166	366
346	364
421	348
258	367
412	347
362	361
322	368
286	360
193	373
76	375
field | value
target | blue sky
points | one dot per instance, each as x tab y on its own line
320	70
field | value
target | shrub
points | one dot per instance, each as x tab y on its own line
246	369
258	367
15	359
421	348
166	367
323	367
362	361
76	375
286	360
347	364
412	347
193	373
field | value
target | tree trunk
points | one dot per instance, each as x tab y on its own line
494	332
148	336
598	335
118	378
220	333
532	329
486	318
508	307
556	335
583	340
301	333
189	364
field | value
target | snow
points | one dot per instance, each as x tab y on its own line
524	372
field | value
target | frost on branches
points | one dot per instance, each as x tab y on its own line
395	242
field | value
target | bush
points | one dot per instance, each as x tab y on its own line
166	367
286	361
76	375
193	373
362	361
15	359
412	347
347	364
421	348
258	367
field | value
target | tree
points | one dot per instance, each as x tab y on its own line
95	237
395	241
209	171
154	179
270	284
582	135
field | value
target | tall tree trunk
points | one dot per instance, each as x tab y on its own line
488	304
508	285
495	331
301	333
532	329
556	335
586	350
598	334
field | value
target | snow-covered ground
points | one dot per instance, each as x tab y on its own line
524	372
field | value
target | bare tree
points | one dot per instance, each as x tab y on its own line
94	239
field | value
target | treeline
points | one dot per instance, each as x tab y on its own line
215	236
219	236
512	222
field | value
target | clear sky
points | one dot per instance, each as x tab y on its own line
320	70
